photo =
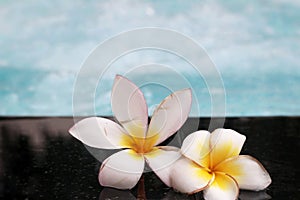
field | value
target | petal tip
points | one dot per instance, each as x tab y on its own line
118	77
267	182
71	130
186	91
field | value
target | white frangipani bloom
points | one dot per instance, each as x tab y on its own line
211	162
137	140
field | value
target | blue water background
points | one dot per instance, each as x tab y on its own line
254	45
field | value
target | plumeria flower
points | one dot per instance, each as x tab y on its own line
137	140
211	162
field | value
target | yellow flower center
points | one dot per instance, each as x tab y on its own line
140	145
144	145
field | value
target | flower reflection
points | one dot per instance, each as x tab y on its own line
251	195
110	193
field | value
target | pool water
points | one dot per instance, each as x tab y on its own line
254	45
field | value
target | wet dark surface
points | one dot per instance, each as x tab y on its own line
40	160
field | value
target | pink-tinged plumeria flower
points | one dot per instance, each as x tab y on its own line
211	162
139	141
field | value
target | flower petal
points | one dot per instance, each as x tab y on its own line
129	106
223	187
247	171
161	160
189	177
122	170
196	147
170	115
225	143
100	133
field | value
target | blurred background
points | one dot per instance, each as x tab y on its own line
254	45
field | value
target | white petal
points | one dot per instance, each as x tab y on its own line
129	106
170	115
196	147
100	133
223	187
122	170
225	143
161	160
189	177
247	171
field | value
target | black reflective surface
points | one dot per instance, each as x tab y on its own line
40	160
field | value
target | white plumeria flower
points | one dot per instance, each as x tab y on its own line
211	162
139	142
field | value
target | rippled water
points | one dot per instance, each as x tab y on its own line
255	46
